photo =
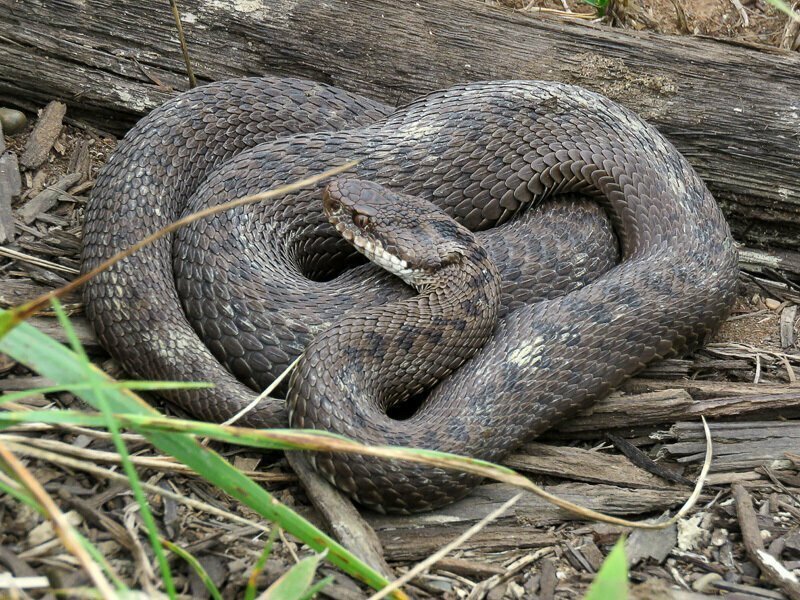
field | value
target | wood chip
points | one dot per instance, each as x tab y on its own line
341	517
737	446
788	317
468	568
8	582
548	581
81	161
582	465
533	510
412	544
16	565
47	198
10	188
655	544
712	400
44	135
217	571
246	463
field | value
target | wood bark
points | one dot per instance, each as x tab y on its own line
737	446
733	111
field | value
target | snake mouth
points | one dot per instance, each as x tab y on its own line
355	225
374	250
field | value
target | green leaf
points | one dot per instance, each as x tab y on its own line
611	582
601	6
250	591
295	583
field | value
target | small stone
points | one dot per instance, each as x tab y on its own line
12	121
772	304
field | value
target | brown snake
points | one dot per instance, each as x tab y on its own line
250	288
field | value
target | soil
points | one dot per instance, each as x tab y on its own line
721	19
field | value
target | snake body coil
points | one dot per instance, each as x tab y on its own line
237	290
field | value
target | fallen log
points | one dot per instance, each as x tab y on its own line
733	111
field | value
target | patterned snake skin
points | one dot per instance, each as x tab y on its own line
235	298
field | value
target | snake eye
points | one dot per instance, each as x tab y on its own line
361	221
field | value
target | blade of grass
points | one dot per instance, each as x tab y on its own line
250	592
785	8
139	386
316	588
195	564
113	428
612	578
296	581
49	358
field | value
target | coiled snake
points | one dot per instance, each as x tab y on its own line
249	289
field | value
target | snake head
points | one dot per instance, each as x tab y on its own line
406	235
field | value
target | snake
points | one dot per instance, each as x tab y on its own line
610	251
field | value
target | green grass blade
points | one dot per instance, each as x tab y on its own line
601	6
119	444
7	322
198	568
785	8
250	592
141	386
47	357
611	582
316	588
295	583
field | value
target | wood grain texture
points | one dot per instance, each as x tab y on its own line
733	111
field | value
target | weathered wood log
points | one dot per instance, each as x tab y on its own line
737	446
532	510
733	111
579	464
620	411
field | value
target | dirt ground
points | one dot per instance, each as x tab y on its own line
746	378
751	22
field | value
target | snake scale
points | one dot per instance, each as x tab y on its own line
641	262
